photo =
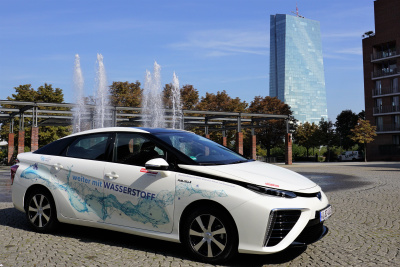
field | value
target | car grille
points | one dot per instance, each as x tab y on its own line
280	224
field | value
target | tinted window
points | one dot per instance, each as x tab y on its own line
135	149
55	148
92	146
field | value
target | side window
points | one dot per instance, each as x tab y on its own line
92	146
135	149
55	148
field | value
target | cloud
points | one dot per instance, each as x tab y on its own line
218	43
352	51
342	35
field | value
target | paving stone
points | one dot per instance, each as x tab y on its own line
363	231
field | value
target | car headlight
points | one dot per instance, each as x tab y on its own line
271	191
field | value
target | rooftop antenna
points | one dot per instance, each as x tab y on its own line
297	12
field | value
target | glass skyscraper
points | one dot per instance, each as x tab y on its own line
296	67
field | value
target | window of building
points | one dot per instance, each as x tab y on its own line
396	122
379	123
378	104
396	139
395	85
392	67
395	103
387	68
392	49
378	87
385	50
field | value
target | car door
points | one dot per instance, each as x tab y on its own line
133	196
81	175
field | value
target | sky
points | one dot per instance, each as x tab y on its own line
214	45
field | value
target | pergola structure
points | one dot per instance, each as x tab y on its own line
42	114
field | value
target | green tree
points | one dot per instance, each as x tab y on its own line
305	135
346	121
361	115
24	93
363	133
326	136
221	102
45	94
126	94
272	132
167	96
189	97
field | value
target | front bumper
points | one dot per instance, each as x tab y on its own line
295	223
311	234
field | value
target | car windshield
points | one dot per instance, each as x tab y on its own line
200	149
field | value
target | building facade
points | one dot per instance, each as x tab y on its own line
296	66
381	59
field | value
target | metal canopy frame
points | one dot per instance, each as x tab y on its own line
131	116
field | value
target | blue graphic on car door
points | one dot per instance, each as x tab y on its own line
139	199
134	203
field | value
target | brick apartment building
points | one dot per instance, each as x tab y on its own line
381	57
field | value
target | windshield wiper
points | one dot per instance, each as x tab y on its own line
210	163
239	161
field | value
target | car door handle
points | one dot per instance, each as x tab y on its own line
58	166
112	175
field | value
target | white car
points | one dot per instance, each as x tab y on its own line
349	155
171	185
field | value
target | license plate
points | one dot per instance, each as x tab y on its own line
325	213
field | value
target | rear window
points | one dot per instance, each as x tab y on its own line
55	148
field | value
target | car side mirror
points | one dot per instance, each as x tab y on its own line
157	164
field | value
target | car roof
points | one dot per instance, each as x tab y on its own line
129	129
160	130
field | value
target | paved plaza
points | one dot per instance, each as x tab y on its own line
363	231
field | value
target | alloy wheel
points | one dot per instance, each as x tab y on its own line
208	236
39	210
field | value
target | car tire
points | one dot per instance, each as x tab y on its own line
41	211
210	235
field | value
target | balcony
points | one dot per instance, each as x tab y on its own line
385	91
384	55
386	110
391	128
385	73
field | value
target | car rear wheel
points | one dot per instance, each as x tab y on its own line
210	235
41	211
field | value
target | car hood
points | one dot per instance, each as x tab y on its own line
259	173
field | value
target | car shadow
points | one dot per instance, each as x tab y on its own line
393	166
330	182
282	257
11	217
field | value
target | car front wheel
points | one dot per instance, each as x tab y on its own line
41	211
210	235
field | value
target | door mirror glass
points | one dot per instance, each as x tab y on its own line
157	164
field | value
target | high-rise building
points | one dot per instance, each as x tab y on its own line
381	56
296	66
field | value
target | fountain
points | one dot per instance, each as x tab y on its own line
102	114
79	110
177	122
152	102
